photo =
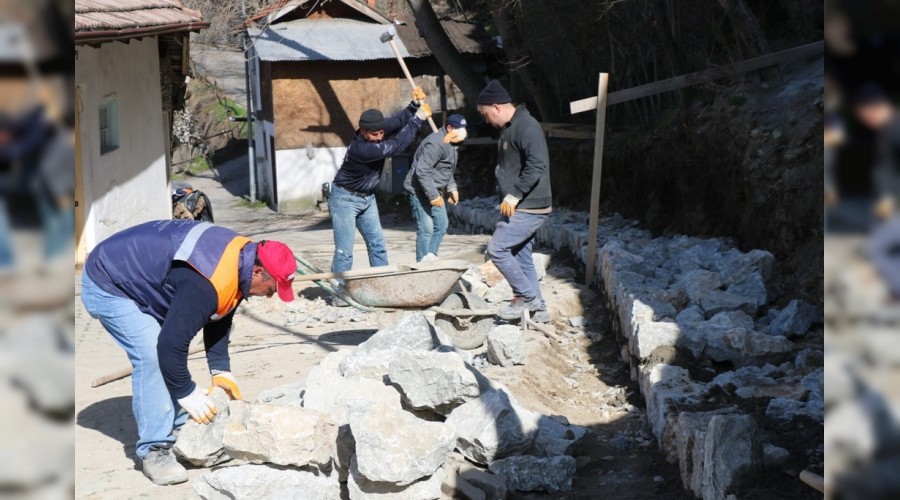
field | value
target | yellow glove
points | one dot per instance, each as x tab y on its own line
418	94
228	383
198	405
454	197
508	207
437	202
424	111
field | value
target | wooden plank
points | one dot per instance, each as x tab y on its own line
679	82
602	87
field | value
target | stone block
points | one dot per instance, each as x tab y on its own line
506	346
282	435
433	380
394	446
265	482
493	426
201	444
527	473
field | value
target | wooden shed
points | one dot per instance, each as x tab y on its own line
315	67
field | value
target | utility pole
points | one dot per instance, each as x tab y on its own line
251	154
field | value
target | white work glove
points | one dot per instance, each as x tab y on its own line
424	111
508	207
198	405
455	136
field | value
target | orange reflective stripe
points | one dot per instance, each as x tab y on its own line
225	278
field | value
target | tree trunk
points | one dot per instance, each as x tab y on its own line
449	58
539	89
747	25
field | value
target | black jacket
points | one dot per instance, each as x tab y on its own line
364	160
523	163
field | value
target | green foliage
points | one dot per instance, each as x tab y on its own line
246	203
195	167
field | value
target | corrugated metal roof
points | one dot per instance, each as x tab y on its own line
91	15
324	40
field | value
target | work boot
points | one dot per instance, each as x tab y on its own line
542	316
517	305
162	468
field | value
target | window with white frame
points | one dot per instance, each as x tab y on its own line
109	127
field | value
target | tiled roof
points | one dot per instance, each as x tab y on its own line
107	15
324	40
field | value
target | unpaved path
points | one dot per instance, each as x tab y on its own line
580	378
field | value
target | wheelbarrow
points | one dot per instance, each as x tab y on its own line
464	316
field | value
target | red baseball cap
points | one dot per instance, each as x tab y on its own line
279	261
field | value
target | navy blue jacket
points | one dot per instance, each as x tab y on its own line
364	160
168	268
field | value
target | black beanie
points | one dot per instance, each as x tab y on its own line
371	119
494	93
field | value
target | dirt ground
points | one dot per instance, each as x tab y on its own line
579	378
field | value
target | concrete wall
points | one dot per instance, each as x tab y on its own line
300	177
128	185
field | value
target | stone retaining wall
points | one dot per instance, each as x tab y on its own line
687	308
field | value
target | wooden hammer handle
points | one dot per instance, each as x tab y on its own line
409	77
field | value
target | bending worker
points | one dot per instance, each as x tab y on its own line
153	287
430	180
523	176
352	202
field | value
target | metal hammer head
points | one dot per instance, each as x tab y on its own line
388	35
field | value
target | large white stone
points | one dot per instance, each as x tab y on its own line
373	357
652	335
556	436
361	488
278	434
394	446
201	444
506	345
493	426
666	388
433	380
251	482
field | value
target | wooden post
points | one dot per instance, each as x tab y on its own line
595	185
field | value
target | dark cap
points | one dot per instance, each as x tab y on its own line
371	119
494	93
870	93
456	121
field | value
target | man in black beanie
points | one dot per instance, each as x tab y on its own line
523	177
352	202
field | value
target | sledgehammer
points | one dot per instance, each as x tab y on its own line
388	37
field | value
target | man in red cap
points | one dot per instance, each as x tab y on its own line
153	287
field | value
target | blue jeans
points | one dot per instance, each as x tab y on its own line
349	213
510	250
884	250
153	407
431	225
6	243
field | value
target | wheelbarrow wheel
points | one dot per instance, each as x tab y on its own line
466	332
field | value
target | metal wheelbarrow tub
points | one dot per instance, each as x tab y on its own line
421	285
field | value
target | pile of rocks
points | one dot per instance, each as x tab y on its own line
681	303
403	415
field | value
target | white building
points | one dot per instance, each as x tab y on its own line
130	62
